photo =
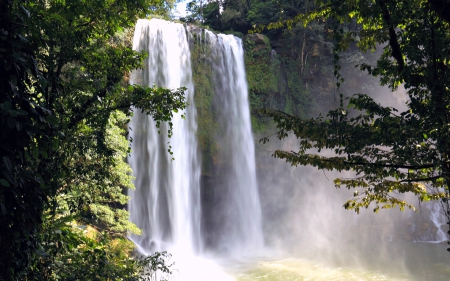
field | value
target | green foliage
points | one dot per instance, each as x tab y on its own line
363	144
94	193
294	79
204	97
240	15
194	13
234	16
297	101
263	12
211	15
23	141
390	152
75	252
63	107
263	75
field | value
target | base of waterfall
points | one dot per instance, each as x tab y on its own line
188	267
394	261
291	269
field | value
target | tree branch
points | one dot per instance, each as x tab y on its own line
411	167
393	40
423	179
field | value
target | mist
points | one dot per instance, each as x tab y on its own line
304	217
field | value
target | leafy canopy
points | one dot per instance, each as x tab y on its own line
64	104
391	152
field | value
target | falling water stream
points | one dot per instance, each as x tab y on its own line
307	235
165	204
241	216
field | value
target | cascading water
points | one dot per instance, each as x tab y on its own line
240	213
165	204
439	220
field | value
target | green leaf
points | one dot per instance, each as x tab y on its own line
3	207
7	163
4	182
11	121
13	80
6	105
52	119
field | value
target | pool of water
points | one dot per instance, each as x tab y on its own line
401	261
292	269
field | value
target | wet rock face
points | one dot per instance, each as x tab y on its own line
427	224
422	229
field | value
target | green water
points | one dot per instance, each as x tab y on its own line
401	262
302	270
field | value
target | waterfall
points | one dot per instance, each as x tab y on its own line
166	202
439	220
240	215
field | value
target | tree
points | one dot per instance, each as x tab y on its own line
391	152
63	73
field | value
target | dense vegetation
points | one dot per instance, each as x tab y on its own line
64	106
